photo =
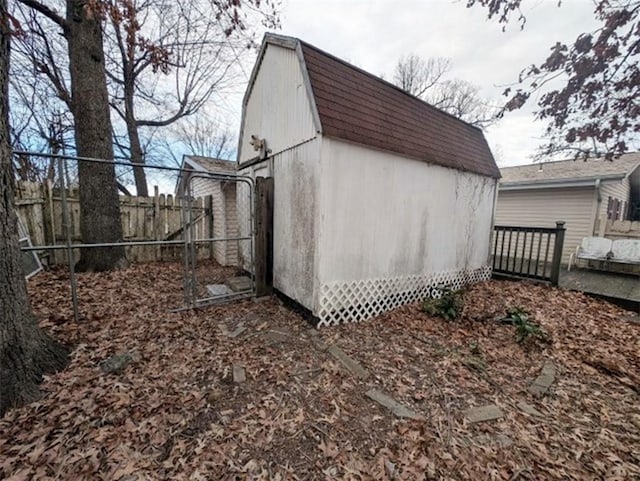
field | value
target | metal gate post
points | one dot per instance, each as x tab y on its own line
67	227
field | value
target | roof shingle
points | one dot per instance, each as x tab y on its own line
570	170
213	165
359	107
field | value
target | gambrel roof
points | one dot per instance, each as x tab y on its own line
356	106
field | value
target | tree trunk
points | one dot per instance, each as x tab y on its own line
26	352
137	158
99	202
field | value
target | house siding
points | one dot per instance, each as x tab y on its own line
232	229
225	220
620	190
543	207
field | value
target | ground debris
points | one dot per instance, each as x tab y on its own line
544	381
118	362
179	415
239	375
392	405
529	409
484	413
348	362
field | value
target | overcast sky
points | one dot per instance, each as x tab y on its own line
374	34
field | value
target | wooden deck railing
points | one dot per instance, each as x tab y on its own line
528	252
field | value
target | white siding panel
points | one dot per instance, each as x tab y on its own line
620	190
199	187
543	207
219	225
384	216
231	218
296	174
278	107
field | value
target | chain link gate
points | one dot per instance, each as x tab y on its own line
219	251
212	274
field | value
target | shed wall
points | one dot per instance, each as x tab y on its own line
388	222
278	107
296	174
543	207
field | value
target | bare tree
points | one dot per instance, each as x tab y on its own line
416	75
426	79
100	206
26	352
40	117
462	99
202	135
166	58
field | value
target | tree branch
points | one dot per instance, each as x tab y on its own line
47	12
182	112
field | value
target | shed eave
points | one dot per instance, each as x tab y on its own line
426	159
194	166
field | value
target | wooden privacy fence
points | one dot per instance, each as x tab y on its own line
528	252
156	218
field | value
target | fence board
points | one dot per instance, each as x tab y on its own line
39	207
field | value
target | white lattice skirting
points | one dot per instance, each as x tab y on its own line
353	301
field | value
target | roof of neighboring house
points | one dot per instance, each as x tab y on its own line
357	106
210	164
203	164
569	171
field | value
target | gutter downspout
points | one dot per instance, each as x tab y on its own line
598	201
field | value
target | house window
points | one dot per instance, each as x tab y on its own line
618	209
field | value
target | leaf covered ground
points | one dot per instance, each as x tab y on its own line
175	412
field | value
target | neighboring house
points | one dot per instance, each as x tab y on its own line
223	201
581	193
378	196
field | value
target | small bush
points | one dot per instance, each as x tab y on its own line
448	306
526	330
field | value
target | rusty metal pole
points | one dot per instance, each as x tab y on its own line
67	227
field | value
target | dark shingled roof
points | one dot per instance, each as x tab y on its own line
359	107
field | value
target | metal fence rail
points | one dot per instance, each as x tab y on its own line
188	242
528	252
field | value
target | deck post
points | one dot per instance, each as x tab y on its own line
557	253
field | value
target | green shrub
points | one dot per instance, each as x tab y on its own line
526	329
448	306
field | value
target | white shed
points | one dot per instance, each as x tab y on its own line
378	196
